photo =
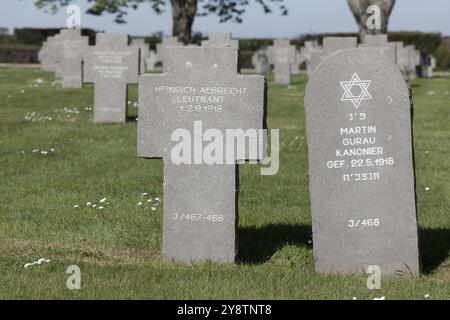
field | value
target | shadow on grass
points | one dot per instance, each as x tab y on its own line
131	118
434	248
257	245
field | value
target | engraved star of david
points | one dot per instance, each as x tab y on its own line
363	95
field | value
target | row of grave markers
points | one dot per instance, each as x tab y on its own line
285	59
358	108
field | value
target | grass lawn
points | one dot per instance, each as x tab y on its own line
53	158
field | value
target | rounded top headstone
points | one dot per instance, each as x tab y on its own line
367	68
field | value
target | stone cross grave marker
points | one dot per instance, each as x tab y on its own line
361	173
111	65
48	55
314	61
380	41
282	56
201	91
161	47
261	62
71	49
427	66
330	45
220	39
412	56
333	44
299	59
144	53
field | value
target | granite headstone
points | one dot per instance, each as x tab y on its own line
361	174
111	65
201	86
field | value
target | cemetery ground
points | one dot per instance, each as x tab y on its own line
57	168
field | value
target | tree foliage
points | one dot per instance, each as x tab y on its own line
226	10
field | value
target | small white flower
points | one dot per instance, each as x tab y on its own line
94	205
354	298
382	298
427	188
88	204
101	207
149	200
153	208
427	152
43	260
139	204
76	206
144	194
44	152
427	296
103	200
157	199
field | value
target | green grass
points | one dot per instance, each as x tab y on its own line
118	248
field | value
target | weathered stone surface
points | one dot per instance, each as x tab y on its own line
200	199
330	45
362	184
111	65
220	39
161	47
333	44
381	41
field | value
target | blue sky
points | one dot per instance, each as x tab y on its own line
305	16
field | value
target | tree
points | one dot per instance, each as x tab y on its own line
364	18
183	11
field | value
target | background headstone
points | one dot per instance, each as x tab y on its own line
362	184
282	56
144	53
381	41
71	49
299	60
151	61
49	54
111	65
260	61
200	208
161	47
220	39
330	46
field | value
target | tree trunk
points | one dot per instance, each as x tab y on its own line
359	10
183	15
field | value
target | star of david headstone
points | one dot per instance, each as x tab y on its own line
350	96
